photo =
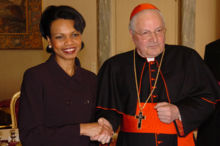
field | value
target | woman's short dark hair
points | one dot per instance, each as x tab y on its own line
52	13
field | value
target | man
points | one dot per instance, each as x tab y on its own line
208	132
157	93
212	57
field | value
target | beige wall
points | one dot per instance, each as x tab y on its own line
207	23
13	63
217	17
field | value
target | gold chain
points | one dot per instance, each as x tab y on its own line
135	73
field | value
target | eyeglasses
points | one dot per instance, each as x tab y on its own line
147	34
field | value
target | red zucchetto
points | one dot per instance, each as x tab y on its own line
141	7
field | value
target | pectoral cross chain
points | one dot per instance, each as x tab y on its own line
140	117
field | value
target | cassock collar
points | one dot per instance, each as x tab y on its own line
144	59
150	59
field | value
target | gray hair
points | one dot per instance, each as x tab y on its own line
132	21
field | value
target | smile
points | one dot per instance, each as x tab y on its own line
69	50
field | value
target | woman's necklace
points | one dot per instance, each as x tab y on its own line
140	116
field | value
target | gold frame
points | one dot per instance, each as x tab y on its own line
29	37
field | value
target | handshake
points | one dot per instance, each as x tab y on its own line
101	131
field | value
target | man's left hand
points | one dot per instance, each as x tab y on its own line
167	112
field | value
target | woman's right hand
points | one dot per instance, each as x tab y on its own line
90	129
101	131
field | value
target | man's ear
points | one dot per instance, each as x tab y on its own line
130	32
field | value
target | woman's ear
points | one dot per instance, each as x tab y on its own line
82	45
49	42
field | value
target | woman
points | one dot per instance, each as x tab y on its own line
57	101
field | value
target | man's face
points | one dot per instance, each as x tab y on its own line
148	33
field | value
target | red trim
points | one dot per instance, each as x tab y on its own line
217	100
142	72
208	100
179	125
112	109
156	139
165	84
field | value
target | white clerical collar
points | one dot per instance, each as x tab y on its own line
150	59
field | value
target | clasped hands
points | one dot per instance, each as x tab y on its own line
98	131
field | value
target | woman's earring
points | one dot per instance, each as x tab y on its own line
50	46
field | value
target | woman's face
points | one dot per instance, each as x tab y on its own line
65	39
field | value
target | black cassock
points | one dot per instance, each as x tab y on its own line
212	57
208	132
184	80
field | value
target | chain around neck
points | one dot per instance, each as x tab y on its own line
155	83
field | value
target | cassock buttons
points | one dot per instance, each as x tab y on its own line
68	102
152	62
152	79
154	96
153	87
87	101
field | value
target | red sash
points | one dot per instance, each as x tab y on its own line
152	124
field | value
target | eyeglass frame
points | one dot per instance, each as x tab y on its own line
147	34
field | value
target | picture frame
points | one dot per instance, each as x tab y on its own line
19	25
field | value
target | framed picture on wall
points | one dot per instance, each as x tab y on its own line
19	24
